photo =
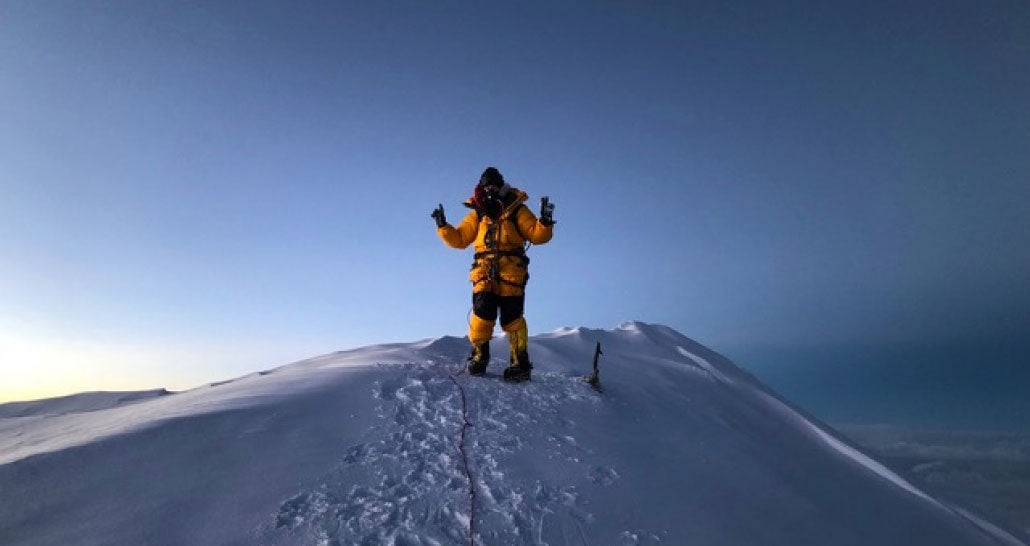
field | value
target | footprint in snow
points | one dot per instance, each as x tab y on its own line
407	483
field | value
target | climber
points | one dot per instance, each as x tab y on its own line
502	227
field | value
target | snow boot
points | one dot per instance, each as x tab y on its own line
520	367
478	358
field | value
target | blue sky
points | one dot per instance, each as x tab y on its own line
196	190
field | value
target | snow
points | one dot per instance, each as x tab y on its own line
867	462
77	403
363	447
704	364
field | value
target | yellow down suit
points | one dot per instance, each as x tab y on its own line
501	268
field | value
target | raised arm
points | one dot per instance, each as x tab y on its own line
463	235
532	229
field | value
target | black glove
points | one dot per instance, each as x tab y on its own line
437	215
546	212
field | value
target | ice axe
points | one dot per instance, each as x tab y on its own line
595	379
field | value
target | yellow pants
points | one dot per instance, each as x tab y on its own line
485	306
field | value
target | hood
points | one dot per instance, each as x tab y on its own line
516	195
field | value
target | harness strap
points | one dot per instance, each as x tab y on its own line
494	273
518	252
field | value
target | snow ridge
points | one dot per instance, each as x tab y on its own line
83	402
391	444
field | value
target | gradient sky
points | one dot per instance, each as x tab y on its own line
195	190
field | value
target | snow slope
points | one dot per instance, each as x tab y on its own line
77	403
378	445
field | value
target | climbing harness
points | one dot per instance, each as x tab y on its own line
494	254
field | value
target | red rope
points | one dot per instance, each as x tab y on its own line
465	461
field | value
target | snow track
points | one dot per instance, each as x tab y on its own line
465	424
407	487
412	485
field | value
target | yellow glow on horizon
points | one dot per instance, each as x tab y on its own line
34	367
37	368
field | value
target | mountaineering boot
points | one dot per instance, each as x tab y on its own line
480	332
518	341
520	367
478	358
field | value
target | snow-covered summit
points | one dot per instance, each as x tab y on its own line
392	444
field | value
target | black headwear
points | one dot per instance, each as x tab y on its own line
491	177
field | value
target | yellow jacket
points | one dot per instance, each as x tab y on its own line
499	242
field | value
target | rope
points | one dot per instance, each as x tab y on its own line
464	457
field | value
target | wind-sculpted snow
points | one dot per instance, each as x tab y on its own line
390	444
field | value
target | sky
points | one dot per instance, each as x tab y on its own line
191	191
